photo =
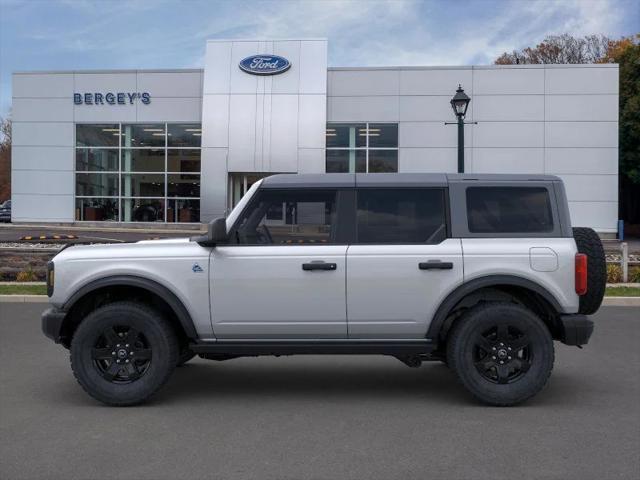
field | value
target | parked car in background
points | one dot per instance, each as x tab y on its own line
5	211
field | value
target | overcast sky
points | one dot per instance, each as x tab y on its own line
105	34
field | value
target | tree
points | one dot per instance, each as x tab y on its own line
5	159
626	53
600	49
560	49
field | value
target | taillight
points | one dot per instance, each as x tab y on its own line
581	273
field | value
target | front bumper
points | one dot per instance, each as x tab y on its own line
52	319
575	329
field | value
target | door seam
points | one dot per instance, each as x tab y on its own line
346	292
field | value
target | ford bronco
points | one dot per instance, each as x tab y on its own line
482	272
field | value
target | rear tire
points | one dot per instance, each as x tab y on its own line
123	352
588	242
501	352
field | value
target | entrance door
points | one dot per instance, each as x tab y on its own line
402	265
283	276
239	184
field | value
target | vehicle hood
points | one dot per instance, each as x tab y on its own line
170	247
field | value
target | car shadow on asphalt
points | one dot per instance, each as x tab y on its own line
348	382
249	379
433	382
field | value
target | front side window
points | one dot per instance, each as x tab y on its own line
362	147
509	210
401	215
288	217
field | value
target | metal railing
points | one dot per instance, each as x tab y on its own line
621	249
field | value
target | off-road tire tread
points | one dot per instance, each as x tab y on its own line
588	242
456	338
162	323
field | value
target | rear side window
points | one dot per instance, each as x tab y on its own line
401	215
509	210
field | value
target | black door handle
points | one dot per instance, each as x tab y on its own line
435	265
319	266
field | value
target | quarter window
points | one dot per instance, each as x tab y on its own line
362	147
401	216
288	217
509	210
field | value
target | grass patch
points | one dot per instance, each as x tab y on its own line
623	292
23	289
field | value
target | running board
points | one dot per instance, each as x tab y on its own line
320	347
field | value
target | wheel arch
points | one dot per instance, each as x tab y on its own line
489	288
114	287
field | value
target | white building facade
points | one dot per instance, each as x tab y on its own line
182	146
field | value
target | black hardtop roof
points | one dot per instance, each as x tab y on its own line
346	180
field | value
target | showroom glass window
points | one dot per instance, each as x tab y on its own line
138	172
362	147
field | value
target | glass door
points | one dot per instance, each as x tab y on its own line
239	184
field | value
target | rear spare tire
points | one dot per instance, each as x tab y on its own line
588	242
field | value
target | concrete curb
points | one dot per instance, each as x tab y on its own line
608	301
621	302
24	299
89	228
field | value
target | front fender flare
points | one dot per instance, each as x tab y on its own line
181	312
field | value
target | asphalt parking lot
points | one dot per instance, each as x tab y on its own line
320	417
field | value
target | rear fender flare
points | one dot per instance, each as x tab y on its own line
447	305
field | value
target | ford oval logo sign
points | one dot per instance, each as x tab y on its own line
265	64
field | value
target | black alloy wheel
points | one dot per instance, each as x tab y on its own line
122	354
502	354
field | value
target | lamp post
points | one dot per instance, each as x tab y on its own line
459	104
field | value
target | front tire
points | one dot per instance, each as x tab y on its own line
501	352
123	352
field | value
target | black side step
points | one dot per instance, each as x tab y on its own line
321	347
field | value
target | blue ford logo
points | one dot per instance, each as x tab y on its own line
265	64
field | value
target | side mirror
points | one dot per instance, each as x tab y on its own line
216	233
217	230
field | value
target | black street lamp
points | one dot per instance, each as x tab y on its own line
459	104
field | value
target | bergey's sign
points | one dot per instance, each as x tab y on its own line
265	64
109	98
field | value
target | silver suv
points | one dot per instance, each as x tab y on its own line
481	272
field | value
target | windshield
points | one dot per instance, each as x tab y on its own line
241	204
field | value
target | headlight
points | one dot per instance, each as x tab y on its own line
50	278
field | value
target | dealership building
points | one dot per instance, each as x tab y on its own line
182	146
